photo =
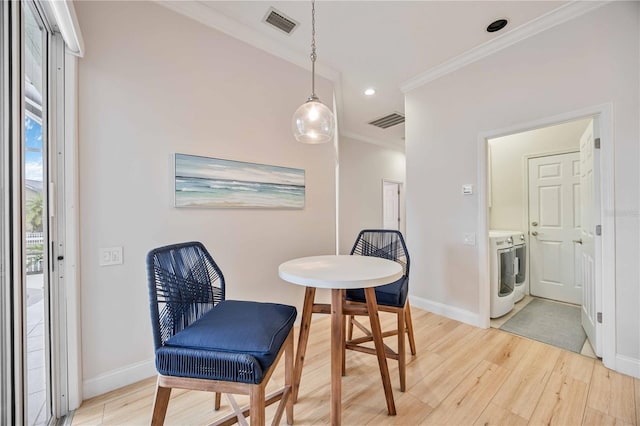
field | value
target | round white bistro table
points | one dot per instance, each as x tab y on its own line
339	273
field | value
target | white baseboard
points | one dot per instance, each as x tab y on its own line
628	366
448	311
118	378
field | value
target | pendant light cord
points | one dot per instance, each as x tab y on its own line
313	51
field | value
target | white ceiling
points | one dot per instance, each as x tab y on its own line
379	44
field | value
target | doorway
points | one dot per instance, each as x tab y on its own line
391	205
535	186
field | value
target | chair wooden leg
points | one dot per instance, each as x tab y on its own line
238	413
256	405
288	377
402	366
344	345
407	315
349	336
216	404
160	403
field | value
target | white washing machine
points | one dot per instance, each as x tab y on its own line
502	274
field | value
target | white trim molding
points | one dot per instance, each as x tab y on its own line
72	229
544	22
62	15
448	311
118	378
627	365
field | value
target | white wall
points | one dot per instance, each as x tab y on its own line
566	68
153	83
507	174
363	166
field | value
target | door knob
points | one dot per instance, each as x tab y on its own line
578	241
534	223
534	233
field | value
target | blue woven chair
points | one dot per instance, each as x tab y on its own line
387	244
206	343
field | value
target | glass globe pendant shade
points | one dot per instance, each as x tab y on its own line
313	122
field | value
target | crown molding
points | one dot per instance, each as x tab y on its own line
212	18
360	138
544	22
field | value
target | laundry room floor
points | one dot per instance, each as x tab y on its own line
499	322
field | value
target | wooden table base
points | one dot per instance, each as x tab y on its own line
337	341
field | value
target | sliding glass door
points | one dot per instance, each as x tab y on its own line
32	385
35	218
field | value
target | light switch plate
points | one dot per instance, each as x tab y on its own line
111	256
467	189
470	239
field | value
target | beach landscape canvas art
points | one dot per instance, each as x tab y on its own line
217	183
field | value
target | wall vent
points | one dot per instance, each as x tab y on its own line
388	120
279	20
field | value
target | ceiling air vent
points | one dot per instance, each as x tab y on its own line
280	21
388	120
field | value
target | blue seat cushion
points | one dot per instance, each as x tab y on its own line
233	326
394	294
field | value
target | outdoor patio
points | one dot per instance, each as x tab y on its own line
36	372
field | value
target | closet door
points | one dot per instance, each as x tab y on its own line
554	214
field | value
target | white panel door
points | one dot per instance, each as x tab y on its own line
554	227
391	205
590	214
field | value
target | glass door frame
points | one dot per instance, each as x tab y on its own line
11	223
57	226
53	111
48	223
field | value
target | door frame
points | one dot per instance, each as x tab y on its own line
525	202
603	116
11	130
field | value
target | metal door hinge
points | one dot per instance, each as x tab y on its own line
596	143
598	229
599	317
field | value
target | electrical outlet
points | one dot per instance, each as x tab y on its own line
111	256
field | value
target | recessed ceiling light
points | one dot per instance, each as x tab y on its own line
370	92
497	25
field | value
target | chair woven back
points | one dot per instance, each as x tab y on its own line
184	284
385	243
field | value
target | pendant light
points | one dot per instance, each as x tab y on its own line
313	121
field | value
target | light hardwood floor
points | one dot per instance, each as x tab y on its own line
462	375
